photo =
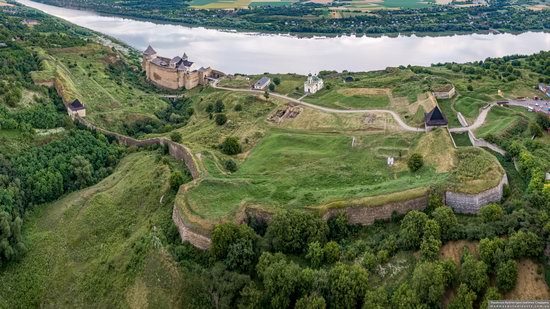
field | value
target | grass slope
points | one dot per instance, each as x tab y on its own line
294	170
99	247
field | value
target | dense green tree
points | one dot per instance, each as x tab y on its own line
311	302
491	213
429	248
280	278
315	254
431	229
291	231
331	252
376	299
347	286
404	297
429	282
241	254
338	226
229	238
82	172
276	80
446	219
473	273
369	260
412	227
491	294
464	298
524	244
506	275
491	251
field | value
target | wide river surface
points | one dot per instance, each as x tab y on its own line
237	52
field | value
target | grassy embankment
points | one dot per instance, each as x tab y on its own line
292	170
82	73
101	246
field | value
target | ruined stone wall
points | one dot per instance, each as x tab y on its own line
471	203
367	215
479	142
187	234
178	151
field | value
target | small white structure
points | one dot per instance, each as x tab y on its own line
391	161
262	83
76	109
313	84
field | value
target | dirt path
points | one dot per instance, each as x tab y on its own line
395	116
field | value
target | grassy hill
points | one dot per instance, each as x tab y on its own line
101	246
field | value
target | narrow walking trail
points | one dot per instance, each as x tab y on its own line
480	120
395	116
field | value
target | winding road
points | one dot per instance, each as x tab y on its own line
395	116
477	123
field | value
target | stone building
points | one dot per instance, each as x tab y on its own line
313	84
76	109
175	73
444	92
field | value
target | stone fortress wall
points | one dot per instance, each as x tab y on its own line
460	202
368	215
471	203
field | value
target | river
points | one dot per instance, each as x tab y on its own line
237	52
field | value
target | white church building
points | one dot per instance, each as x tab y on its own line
313	84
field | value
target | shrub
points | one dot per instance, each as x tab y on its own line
176	180
369	260
315	254
331	252
491	213
238	108
221	119
271	87
176	137
470	88
231	146
415	162
231	166
209	108
219	106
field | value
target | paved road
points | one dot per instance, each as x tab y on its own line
395	116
